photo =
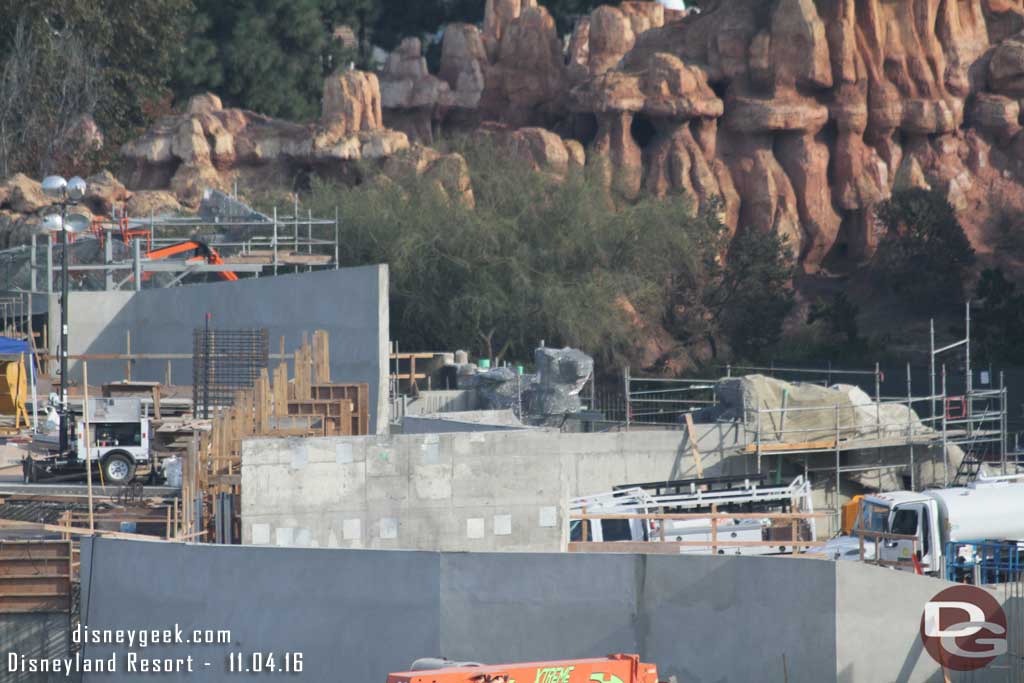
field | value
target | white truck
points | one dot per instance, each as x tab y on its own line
988	509
746	494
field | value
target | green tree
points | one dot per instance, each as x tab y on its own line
270	56
535	259
839	317
398	19
58	61
925	254
998	324
751	296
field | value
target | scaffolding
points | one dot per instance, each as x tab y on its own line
112	254
975	420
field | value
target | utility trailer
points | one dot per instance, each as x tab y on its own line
119	434
730	494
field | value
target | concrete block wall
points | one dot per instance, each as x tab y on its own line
357	615
503	490
350	303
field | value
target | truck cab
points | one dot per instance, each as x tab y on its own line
909	514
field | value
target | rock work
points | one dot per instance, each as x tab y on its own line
798	115
209	146
793	116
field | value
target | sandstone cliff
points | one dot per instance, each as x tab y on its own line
799	115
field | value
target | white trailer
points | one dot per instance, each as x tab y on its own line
119	442
637	500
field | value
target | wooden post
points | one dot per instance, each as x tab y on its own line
128	351
714	528
86	438
156	402
692	435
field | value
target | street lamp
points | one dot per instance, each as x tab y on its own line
67	193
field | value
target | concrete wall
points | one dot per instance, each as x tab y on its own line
41	635
358	615
350	303
501	490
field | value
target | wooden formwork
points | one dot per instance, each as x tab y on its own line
35	576
306	404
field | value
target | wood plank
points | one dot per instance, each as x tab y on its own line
29	605
796	446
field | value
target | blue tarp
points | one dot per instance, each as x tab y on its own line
14	347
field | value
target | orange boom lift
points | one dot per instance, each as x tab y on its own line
610	669
199	250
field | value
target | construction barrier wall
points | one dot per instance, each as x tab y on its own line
356	615
350	303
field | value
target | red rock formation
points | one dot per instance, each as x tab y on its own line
211	147
799	114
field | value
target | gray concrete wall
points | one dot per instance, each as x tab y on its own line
877	628
502	490
42	635
350	303
358	615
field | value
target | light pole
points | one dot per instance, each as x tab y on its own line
67	193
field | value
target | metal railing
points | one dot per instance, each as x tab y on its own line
715	543
878	537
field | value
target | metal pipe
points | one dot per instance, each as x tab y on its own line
1002	423
839	508
910	431
273	243
945	451
137	264
931	361
970	378
49	265
33	265
625	384
65	414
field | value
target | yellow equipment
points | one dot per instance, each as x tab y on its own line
14	389
850	512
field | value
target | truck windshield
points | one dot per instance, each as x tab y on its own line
874	518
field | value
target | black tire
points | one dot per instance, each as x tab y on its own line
118	468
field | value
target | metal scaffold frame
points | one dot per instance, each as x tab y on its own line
276	243
975	420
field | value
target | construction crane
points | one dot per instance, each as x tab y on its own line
198	251
611	669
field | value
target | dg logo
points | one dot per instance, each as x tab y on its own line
964	628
